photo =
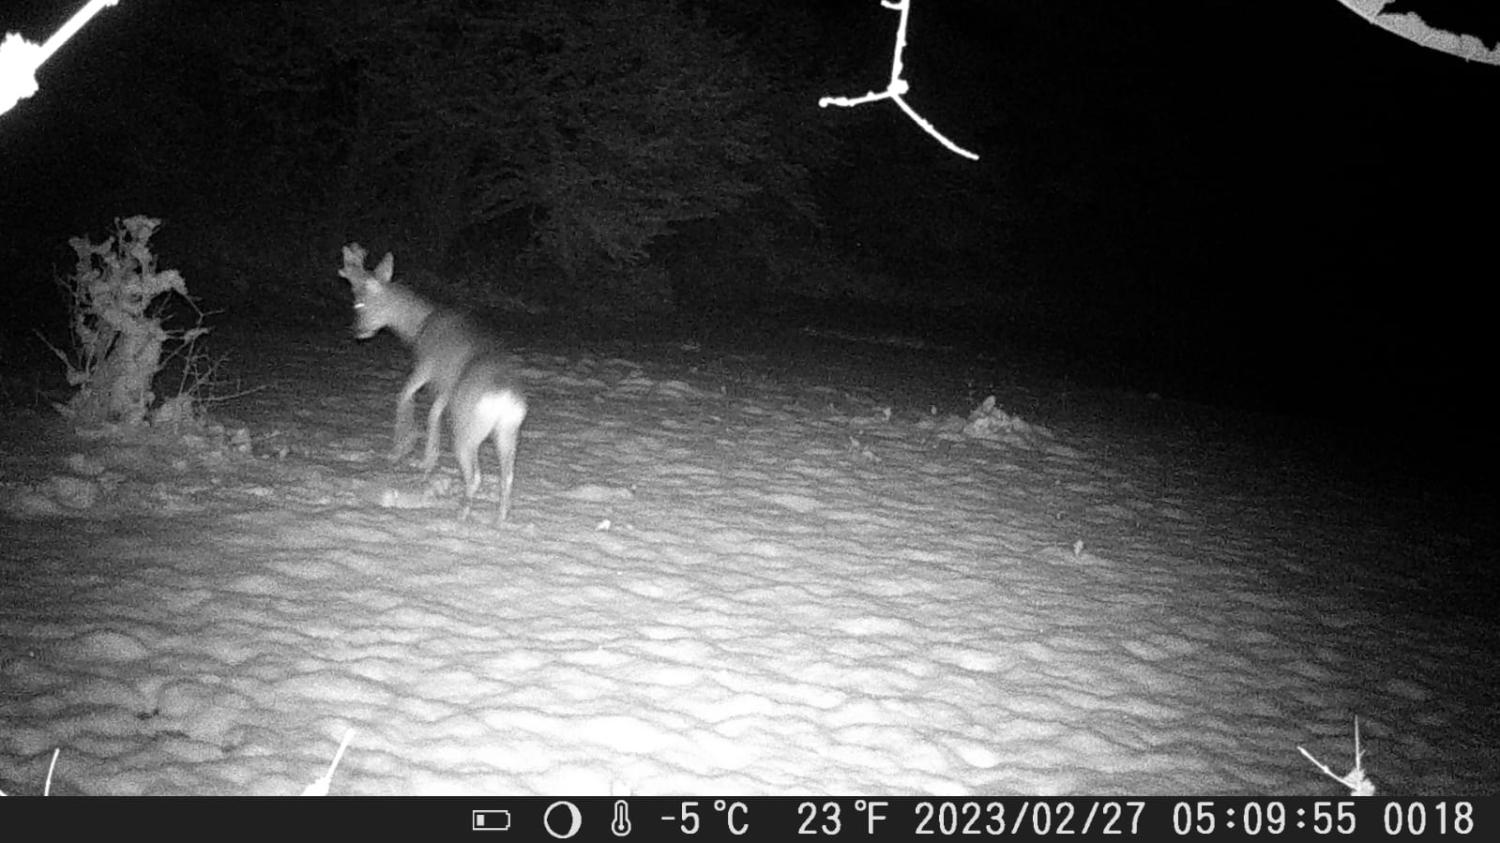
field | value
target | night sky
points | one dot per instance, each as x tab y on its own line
1275	204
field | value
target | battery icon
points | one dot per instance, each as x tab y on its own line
491	821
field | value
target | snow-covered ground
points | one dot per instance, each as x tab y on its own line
798	569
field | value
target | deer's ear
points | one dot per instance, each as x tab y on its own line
386	267
354	255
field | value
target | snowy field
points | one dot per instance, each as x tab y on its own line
802	569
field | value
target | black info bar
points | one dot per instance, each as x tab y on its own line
510	819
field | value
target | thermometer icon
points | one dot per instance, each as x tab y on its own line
620	825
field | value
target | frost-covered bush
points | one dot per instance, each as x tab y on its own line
115	299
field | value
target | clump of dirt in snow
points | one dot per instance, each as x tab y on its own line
989	421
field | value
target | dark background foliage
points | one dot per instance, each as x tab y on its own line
1281	206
